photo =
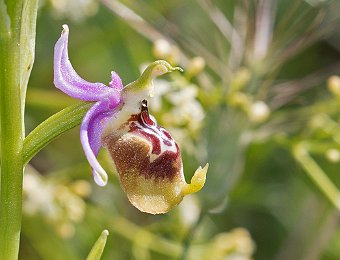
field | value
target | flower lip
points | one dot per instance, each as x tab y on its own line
149	163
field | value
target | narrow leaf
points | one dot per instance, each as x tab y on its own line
52	127
27	43
98	248
5	23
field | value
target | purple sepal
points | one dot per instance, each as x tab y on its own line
108	97
116	82
90	137
68	81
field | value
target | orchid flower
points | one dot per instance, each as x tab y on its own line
145	155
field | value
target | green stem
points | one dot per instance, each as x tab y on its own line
52	128
126	229
318	176
190	235
11	134
17	38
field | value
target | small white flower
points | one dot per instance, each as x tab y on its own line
333	155
76	10
334	85
259	112
57	203
163	87
189	210
162	48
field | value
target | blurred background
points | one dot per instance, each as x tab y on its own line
259	100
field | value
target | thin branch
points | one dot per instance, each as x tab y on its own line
265	17
317	175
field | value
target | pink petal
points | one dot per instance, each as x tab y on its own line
116	82
90	137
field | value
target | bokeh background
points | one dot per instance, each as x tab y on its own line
259	100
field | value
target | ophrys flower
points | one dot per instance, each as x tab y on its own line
145	155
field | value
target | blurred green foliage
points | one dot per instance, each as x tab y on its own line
263	91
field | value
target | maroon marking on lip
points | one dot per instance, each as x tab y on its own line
133	117
131	156
166	133
167	142
144	120
155	142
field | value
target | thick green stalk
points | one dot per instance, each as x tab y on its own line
11	134
17	38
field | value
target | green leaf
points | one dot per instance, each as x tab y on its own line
27	43
4	19
52	127
98	248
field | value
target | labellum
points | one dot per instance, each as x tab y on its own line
149	163
145	155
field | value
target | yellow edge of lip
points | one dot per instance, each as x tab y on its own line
197	181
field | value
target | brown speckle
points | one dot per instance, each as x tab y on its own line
131	154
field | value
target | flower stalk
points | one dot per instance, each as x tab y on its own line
11	139
15	36
317	175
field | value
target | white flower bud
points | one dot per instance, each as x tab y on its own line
162	48
195	66
259	112
334	85
240	80
333	155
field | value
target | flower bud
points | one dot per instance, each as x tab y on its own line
259	112
163	49
334	85
196	65
149	163
240	80
333	155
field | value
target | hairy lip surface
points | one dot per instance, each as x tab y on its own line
131	156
